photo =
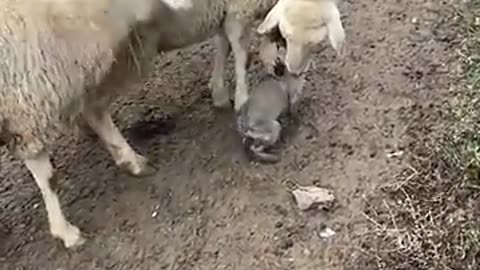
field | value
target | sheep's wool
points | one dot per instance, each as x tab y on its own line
179	4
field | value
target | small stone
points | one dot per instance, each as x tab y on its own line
395	154
326	233
312	196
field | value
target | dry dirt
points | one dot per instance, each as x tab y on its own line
208	207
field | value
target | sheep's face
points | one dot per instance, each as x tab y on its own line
300	42
305	24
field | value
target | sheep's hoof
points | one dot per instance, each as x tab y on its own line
220	94
75	243
223	103
239	101
141	168
71	237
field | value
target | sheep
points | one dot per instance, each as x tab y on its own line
229	20
58	62
225	20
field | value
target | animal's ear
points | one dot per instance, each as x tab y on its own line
336	34
272	19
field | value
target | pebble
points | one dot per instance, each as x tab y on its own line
326	233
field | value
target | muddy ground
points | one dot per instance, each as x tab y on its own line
208	207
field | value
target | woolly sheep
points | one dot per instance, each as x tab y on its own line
53	55
191	21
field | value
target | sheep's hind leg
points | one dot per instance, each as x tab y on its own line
41	169
125	157
235	32
220	95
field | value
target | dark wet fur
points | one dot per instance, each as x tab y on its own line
276	36
267	155
279	68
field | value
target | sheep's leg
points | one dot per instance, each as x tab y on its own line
295	88
235	31
123	154
41	169
220	95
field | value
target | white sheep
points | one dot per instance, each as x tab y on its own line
304	24
53	55
61	59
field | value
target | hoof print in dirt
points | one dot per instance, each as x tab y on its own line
148	129
312	197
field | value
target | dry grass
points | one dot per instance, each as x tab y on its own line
429	217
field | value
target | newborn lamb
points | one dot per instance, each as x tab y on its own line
259	121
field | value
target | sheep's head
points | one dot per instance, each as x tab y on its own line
304	24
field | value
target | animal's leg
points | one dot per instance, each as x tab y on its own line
220	95
268	53
125	157
85	128
41	169
235	31
295	88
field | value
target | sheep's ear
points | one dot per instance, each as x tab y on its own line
272	19
336	34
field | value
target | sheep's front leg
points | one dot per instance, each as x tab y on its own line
125	157
220	95
295	88
41	169
235	31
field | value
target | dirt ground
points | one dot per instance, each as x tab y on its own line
208	207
